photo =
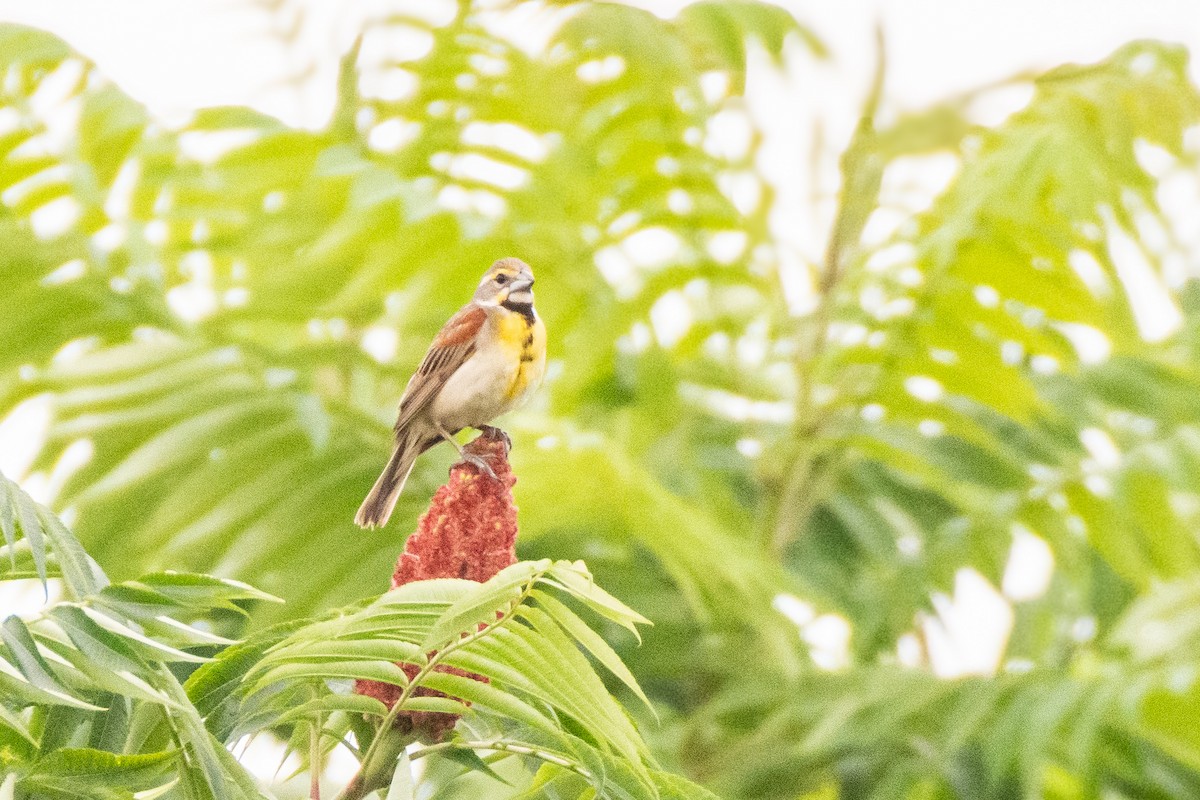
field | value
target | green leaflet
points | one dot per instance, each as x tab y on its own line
95	773
591	641
481	607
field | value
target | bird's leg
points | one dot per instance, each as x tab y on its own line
480	462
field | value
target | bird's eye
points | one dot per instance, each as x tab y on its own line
501	279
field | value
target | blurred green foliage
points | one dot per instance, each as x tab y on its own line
857	450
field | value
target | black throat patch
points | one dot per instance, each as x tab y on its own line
524	309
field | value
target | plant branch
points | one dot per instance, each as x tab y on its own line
862	173
314	759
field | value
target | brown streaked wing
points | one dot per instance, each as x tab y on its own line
453	345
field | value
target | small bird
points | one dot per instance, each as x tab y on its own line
487	360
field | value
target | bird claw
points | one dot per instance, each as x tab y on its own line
480	463
493	432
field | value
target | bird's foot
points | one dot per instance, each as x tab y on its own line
491	431
480	463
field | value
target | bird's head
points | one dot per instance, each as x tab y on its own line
509	283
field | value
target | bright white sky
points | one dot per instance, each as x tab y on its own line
181	54
178	55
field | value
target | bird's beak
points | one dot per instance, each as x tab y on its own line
520	292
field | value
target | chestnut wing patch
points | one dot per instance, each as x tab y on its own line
453	345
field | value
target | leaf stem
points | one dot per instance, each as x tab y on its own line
314	759
507	746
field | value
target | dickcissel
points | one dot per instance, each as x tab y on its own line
485	361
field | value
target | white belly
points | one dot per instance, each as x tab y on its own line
477	392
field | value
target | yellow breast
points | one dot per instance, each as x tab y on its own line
526	343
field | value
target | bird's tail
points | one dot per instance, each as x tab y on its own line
376	509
